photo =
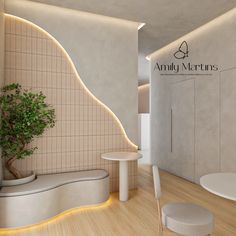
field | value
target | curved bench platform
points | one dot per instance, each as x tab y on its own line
50	195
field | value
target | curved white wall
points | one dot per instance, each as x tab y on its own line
103	49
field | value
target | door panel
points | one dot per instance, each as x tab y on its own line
206	127
228	121
182	134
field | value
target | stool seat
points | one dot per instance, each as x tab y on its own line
187	219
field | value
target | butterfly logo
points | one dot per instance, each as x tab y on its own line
182	52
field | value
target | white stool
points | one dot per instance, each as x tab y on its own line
182	218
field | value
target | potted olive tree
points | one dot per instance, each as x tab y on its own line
24	116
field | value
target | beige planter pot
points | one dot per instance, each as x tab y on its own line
14	182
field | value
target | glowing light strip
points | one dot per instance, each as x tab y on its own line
141	25
77	75
143	86
56	218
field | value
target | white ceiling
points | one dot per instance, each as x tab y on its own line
166	20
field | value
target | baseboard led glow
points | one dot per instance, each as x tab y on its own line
58	217
78	77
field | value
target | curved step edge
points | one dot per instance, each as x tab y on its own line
28	209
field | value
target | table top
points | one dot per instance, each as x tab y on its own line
121	156
221	184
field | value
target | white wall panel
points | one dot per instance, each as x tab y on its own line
206	126
182	129
214	101
228	120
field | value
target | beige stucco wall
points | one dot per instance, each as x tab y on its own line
104	50
1	56
193	128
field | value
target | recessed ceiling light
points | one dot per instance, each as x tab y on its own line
141	25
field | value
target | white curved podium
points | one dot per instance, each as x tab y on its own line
50	195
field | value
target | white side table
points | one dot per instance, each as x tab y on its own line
123	158
221	184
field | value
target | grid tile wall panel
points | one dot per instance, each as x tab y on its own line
84	129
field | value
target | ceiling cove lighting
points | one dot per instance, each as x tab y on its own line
5	231
77	76
195	33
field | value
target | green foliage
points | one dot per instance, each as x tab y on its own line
24	116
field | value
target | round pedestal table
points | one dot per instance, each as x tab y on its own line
123	158
221	184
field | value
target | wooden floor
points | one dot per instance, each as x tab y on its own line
138	216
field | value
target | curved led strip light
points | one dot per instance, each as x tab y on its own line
77	75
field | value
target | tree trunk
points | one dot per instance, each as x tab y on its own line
12	169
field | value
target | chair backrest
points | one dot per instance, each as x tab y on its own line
157	182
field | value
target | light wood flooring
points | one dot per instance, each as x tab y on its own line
138	216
